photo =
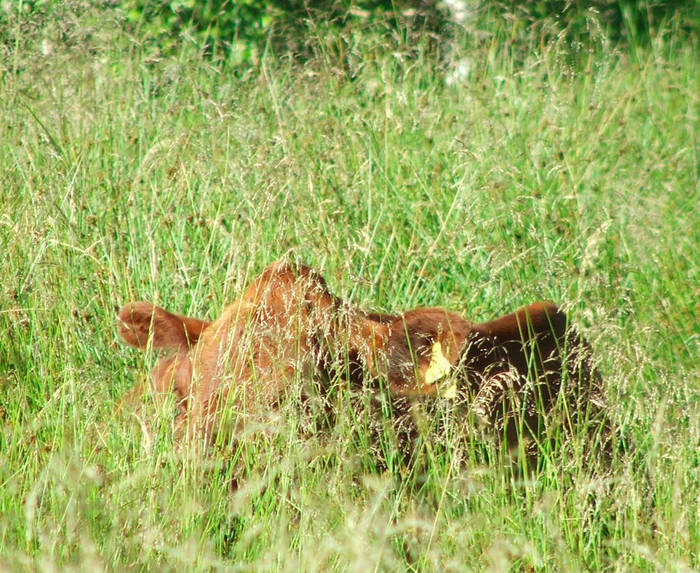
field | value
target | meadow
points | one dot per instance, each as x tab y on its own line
480	177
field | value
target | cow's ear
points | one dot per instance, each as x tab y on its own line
527	322
141	323
529	338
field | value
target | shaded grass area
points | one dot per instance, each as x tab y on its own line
570	177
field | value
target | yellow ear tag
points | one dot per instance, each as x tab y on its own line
438	368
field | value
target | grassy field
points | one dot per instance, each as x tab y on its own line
495	175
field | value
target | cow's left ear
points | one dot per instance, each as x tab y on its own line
143	322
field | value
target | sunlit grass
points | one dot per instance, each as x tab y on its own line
550	176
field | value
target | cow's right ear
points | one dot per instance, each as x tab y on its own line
143	322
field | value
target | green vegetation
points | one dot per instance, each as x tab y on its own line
478	176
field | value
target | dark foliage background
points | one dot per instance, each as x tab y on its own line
240	30
245	24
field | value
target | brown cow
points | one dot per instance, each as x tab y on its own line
287	323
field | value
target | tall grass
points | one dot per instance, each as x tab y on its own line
478	181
